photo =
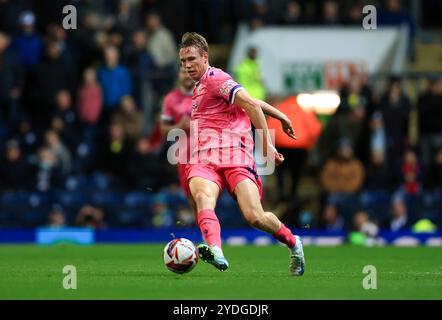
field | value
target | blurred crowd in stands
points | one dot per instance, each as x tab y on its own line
79	110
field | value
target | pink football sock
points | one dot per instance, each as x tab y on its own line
209	226
285	236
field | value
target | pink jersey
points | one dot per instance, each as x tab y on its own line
176	105
217	123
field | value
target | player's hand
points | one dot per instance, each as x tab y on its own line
288	128
279	158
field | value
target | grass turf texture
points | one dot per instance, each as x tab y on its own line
137	272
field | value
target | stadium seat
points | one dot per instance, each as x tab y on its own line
138	199
107	198
69	198
78	182
376	202
131	218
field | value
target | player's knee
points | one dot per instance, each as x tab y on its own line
203	198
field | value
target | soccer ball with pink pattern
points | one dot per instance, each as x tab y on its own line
180	255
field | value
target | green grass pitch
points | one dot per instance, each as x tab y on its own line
137	272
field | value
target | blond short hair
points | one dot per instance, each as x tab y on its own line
193	39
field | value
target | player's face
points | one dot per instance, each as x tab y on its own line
194	62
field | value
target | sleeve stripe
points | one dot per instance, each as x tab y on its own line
233	92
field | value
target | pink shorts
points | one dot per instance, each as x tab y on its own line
224	176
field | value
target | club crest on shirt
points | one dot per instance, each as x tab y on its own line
226	87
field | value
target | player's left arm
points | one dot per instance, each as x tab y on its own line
282	117
253	109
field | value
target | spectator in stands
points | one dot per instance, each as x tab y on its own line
113	156
28	138
354	16
129	118
140	63
378	140
260	14
248	73
377	174
430	120
56	217
53	74
349	121
14	171
162	215
115	81
399	220
433	181
11	83
410	172
126	20
144	167
395	107
90	217
366	226
163	49
293	14
47	173
161	41
61	152
115	38
343	173
65	121
90	99
330	13
28	44
331	220
56	32
86	38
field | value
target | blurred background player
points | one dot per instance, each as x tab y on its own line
220	104
176	112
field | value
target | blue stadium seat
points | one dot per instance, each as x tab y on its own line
71	198
11	198
132	218
103	198
37	199
138	199
34	218
376	202
78	182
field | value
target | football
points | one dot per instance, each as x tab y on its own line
180	255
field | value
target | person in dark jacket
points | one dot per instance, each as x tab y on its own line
11	83
14	170
429	107
52	75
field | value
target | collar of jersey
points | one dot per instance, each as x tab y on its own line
205	73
